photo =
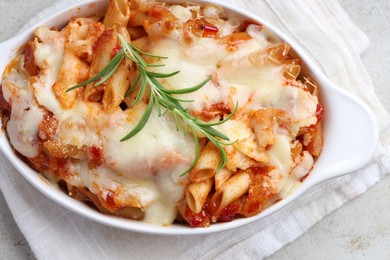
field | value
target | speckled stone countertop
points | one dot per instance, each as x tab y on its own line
358	230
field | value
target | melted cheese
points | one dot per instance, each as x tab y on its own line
195	63
128	191
300	106
163	211
48	57
253	81
184	14
26	116
280	157
299	171
78	125
244	139
157	147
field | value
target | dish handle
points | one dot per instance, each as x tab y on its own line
352	127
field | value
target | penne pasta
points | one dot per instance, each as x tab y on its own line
313	139
116	87
196	194
207	163
66	80
136	32
82	34
61	150
233	189
118	84
221	177
242	133
259	195
154	17
118	13
72	61
83	194
233	40
105	47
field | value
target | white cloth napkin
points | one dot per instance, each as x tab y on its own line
326	33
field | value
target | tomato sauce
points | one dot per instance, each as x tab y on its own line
201	219
230	212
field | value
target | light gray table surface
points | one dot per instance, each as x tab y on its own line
360	229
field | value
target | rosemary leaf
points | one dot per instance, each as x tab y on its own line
142	88
196	152
161	75
116	64
140	60
176	120
187	90
133	86
155	65
142	122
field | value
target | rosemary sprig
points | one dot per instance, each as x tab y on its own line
104	74
162	99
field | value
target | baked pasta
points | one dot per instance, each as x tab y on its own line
164	113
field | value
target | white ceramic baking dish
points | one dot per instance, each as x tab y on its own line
350	131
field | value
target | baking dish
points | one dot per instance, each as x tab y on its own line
350	131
